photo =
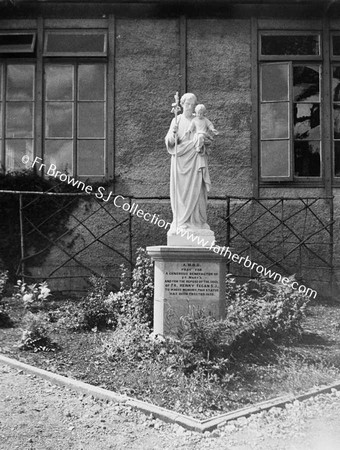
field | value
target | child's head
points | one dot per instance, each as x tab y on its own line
200	110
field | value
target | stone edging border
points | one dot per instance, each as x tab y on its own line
164	414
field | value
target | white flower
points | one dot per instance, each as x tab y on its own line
28	298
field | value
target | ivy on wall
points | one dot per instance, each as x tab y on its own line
51	213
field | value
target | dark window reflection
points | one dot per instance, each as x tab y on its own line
307	159
336	121
306	121
336	83
336	45
290	45
337	158
306	83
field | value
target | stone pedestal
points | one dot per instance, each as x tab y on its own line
190	238
186	278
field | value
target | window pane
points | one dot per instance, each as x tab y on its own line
91	119
15	150
290	45
20	82
274	82
275	159
307	121
306	83
274	120
336	118
336	83
59	119
75	43
59	152
337	158
17	42
307	159
91	158
336	45
59	82
91	82
0	120
19	120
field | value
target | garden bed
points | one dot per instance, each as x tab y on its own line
266	372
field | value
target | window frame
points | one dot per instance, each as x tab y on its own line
4	62
75	63
289	33
104	27
55	54
14	50
292	181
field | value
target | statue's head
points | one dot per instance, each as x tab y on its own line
188	101
188	96
200	110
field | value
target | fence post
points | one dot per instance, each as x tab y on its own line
331	235
22	244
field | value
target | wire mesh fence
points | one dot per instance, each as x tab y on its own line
66	237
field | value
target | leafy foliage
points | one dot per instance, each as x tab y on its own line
257	313
5	320
93	312
260	311
32	295
135	299
42	207
3	281
35	335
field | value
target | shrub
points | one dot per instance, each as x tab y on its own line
35	335
5	320
256	314
101	309
129	341
3	281
277	306
135	298
94	312
32	295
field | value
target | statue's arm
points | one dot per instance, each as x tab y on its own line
171	134
211	127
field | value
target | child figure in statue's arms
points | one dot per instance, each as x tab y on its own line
202	127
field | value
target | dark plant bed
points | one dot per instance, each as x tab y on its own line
267	371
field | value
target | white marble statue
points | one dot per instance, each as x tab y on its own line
189	176
201	126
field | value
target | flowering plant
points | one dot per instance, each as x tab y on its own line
31	294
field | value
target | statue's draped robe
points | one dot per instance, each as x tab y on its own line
193	181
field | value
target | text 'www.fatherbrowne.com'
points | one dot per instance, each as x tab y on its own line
246	261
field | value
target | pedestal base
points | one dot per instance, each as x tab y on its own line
186	278
190	238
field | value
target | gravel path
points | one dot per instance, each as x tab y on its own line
35	414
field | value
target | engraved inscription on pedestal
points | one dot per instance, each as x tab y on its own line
190	285
187	279
191	280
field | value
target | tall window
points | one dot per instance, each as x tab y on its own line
290	107
17	97
75	118
72	96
